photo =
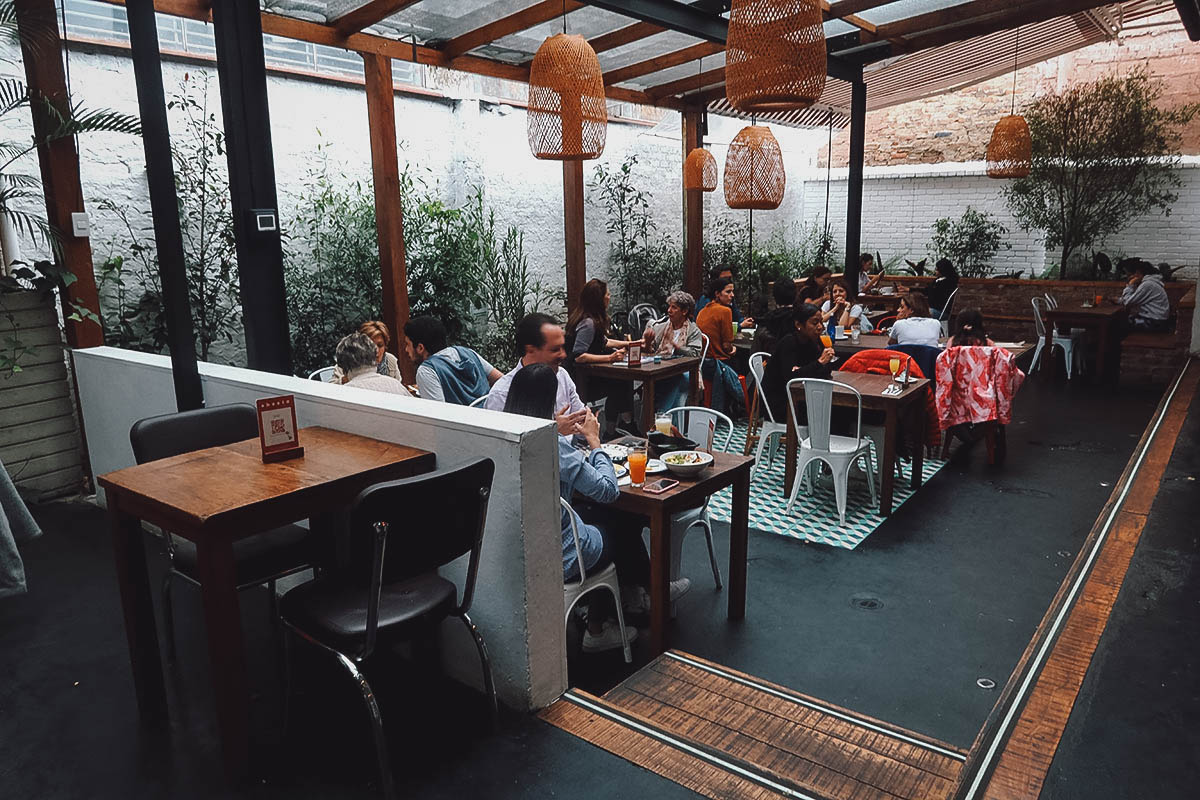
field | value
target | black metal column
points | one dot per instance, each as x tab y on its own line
164	203
243	78
854	184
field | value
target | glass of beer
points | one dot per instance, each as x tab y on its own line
662	424
637	465
894	365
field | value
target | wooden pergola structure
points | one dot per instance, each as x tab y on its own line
880	53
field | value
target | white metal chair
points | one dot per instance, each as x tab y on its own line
693	422
703	355
839	452
1067	343
478	401
1078	335
604	579
324	374
640	316
944	316
771	428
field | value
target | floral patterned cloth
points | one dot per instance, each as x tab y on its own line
875	362
976	384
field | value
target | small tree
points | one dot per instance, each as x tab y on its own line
969	242
1103	153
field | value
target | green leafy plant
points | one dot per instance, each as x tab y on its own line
1104	153
970	242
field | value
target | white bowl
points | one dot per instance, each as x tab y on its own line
688	470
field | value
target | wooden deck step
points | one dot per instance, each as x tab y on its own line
726	734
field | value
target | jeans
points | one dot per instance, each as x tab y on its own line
671	392
726	387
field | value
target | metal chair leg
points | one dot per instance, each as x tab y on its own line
712	556
168	617
381	752
287	681
489	684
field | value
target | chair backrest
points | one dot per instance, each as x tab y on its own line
704	353
324	374
1038	309
693	422
949	304
757	366
641	315
818	406
569	514
428	521
1051	301
184	431
925	356
478	401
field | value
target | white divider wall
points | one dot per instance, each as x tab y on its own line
518	600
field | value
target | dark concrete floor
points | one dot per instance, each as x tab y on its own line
1135	727
964	572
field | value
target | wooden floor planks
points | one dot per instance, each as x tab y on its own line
813	749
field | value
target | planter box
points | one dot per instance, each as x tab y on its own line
39	432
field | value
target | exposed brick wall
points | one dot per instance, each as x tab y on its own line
956	126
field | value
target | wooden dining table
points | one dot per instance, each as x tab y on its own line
1101	319
908	405
648	372
728	469
213	497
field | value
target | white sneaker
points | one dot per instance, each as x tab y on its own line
680	587
609	637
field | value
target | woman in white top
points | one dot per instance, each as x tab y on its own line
913	324
677	335
847	315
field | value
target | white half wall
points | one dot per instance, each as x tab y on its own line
518	600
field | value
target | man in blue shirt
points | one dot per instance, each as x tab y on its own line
449	374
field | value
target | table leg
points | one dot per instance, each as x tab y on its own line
888	467
647	407
660	580
226	650
739	530
789	453
1102	351
133	580
918	444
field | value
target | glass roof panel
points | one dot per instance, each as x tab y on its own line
587	22
446	19
836	27
660	44
903	9
690	69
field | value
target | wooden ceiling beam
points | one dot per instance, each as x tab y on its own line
684	85
841	9
623	36
662	62
1025	14
522	20
856	21
368	14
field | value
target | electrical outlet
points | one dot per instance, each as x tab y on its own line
81	226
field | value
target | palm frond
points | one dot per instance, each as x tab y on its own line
27	181
82	120
10	151
13	94
36	38
31	224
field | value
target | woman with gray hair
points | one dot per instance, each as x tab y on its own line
356	356
677	335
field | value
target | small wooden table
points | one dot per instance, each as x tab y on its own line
1100	318
728	469
910	403
213	497
878	341
648	373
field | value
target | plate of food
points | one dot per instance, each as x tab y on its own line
617	452
686	463
620	470
655	466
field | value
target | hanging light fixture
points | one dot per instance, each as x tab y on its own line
775	56
700	168
754	174
1010	150
567	118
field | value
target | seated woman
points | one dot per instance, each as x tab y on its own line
588	474
969	330
588	343
913	324
677	335
814	288
800	354
385	362
715	321
843	313
942	287
355	357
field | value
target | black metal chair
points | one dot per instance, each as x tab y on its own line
262	558
390	590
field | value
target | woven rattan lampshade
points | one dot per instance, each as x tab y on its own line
568	115
774	55
1010	150
754	176
700	171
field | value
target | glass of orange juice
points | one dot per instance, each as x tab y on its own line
637	465
826	341
894	365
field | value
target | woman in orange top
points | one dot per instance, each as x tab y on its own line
715	321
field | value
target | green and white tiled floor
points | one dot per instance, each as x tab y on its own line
814	518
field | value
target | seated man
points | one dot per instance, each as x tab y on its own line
451	374
356	358
1145	299
540	340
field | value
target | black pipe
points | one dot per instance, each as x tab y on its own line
164	203
854	184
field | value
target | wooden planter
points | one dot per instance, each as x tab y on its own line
39	434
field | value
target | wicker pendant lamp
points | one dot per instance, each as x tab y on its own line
700	171
754	174
775	56
568	115
1010	150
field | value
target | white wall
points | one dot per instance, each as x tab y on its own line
518	601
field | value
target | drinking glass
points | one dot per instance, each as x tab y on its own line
734	327
1099	299
826	341
637	466
894	365
662	424
854	332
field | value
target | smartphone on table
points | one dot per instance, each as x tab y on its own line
660	486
